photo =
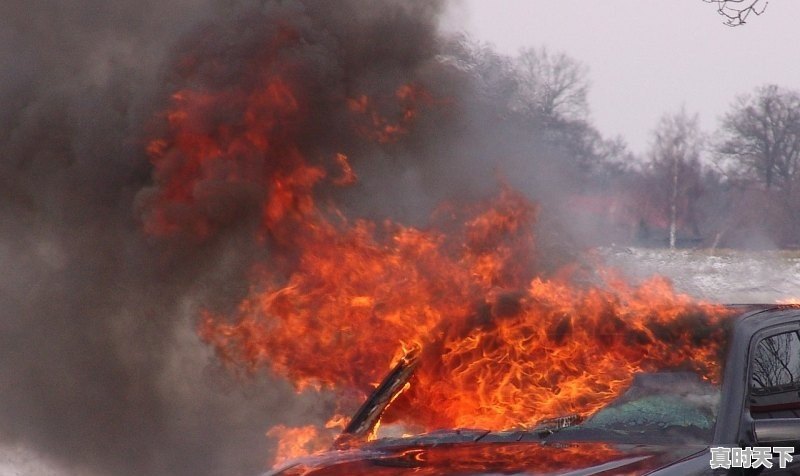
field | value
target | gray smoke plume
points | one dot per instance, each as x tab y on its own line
101	371
100	368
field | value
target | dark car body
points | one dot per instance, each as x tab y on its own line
740	422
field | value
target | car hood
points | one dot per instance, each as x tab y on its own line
444	457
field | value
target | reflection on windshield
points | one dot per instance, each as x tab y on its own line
674	406
659	408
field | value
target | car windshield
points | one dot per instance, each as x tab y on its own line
674	405
658	408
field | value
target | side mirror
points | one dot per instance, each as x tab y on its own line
777	430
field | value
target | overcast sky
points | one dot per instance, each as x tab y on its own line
647	57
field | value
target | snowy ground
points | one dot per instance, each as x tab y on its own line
724	275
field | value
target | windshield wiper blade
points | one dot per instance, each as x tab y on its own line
548	426
365	419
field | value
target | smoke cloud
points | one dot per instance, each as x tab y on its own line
101	371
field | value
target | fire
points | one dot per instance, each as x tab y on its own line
294	442
558	350
338	298
374	125
348	177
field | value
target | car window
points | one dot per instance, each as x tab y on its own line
662	407
775	378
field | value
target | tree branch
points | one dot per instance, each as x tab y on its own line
737	11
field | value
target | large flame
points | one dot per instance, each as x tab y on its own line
339	299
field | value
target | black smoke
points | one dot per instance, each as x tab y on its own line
100	368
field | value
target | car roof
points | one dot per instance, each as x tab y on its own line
763	311
758	316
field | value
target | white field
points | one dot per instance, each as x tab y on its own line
726	276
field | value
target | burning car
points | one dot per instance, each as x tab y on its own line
664	423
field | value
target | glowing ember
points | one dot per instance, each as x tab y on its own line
374	125
339	298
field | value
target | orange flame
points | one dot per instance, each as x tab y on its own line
382	129
339	298
299	441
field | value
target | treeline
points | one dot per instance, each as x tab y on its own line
737	187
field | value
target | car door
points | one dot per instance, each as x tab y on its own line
774	391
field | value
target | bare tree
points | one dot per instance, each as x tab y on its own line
675	160
493	75
552	84
774	364
759	149
737	11
761	137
